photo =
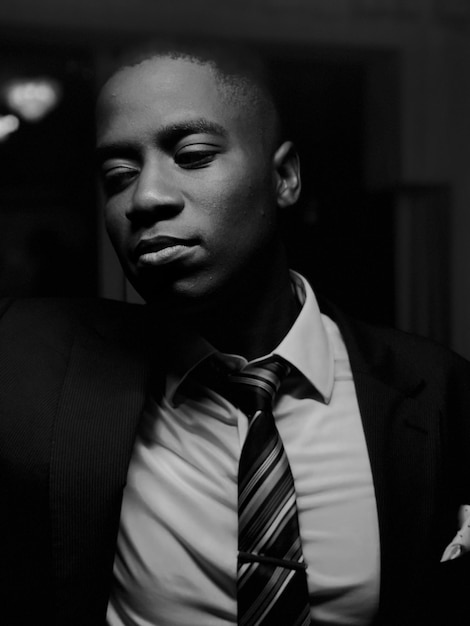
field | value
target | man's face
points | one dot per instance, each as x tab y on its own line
190	192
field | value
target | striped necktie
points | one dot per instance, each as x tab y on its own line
272	580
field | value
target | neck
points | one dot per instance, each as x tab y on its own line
252	321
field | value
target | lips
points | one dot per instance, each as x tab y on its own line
155	244
161	249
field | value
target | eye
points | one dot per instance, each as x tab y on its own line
117	178
193	157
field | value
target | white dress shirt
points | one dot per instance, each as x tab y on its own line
176	555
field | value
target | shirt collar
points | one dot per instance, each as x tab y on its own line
313	358
188	350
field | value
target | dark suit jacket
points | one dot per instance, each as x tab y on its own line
73	378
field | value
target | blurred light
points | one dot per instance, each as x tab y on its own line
8	125
33	98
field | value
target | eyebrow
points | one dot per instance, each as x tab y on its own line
167	135
191	127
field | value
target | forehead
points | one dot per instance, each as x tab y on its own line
164	90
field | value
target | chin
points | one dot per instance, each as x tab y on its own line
175	297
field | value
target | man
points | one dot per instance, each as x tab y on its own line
120	451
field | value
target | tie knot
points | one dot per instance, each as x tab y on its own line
255	386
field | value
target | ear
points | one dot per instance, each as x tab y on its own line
286	166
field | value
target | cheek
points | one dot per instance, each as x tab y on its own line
115	225
110	222
258	193
240	199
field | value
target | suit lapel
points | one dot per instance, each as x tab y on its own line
400	454
402	440
97	416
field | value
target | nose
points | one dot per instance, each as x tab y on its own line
156	196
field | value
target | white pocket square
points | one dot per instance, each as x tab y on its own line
461	542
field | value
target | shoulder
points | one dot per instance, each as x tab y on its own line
56	320
44	310
384	350
68	310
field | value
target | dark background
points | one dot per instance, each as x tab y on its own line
371	238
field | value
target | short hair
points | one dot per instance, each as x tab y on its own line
240	70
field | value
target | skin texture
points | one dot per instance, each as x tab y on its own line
180	158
